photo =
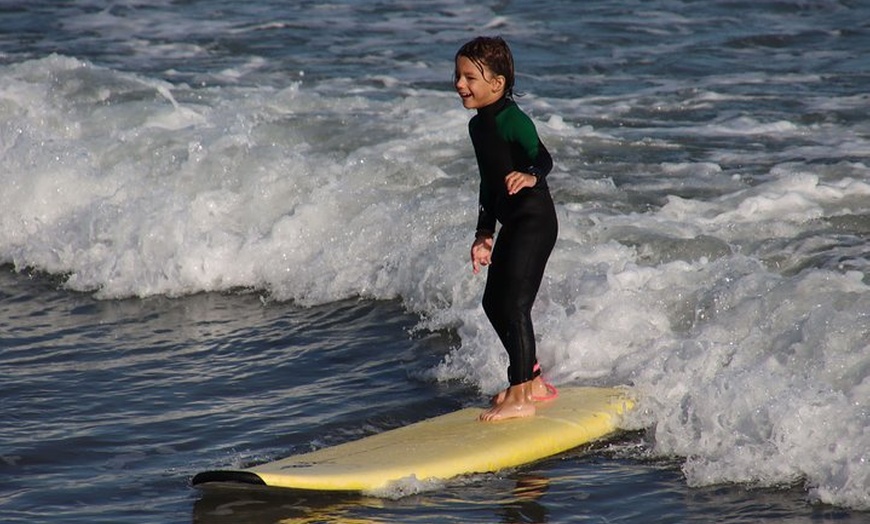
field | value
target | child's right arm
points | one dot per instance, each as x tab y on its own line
481	252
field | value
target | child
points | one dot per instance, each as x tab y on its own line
513	164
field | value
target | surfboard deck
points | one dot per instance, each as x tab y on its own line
442	447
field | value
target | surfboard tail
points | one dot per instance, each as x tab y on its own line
227	477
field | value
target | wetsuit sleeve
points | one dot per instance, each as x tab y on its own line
485	222
542	163
522	132
493	158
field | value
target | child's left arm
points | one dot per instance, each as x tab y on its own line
540	162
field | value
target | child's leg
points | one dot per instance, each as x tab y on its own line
541	389
514	277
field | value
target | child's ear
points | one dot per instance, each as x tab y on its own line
497	83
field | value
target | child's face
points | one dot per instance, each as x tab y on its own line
477	89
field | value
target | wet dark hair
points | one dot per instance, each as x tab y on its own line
494	53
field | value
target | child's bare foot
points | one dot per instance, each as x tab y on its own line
540	392
517	403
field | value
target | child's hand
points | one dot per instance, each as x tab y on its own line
481	253
515	181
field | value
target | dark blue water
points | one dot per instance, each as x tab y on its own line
115	405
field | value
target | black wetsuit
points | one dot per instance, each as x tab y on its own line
505	140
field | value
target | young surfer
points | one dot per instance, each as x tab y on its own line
513	165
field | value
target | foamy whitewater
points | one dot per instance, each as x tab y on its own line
711	184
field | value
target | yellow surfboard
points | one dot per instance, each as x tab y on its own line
443	447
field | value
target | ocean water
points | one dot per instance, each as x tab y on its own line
234	231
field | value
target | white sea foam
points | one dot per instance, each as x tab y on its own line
750	351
